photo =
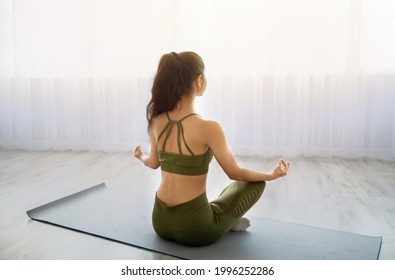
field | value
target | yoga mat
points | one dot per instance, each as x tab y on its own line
125	217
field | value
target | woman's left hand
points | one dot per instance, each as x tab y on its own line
138	153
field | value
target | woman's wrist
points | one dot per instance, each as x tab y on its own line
270	177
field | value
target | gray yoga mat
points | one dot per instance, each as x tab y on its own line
126	217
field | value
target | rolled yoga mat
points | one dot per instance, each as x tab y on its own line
125	217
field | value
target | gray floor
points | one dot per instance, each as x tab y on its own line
349	195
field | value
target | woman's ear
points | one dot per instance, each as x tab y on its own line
200	85
201	81
198	82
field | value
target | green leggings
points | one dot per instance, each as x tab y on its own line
199	222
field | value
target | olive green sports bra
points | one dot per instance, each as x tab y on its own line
180	163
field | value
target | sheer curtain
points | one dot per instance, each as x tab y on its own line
286	77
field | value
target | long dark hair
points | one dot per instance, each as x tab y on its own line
173	80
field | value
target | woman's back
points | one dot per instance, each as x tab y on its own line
183	154
192	131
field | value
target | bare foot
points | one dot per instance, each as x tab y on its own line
241	225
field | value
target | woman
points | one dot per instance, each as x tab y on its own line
183	144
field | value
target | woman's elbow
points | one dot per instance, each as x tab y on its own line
151	163
154	165
233	178
235	175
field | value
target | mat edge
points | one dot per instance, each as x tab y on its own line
54	202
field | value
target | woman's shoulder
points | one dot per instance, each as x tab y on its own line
211	125
158	121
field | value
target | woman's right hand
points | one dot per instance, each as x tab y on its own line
280	170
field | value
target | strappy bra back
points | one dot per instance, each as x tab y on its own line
180	163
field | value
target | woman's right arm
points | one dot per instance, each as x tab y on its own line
216	140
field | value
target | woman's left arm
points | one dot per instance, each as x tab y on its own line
151	160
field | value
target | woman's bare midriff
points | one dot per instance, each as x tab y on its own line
176	189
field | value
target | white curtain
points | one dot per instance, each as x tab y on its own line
286	77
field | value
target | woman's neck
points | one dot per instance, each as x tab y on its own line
185	106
